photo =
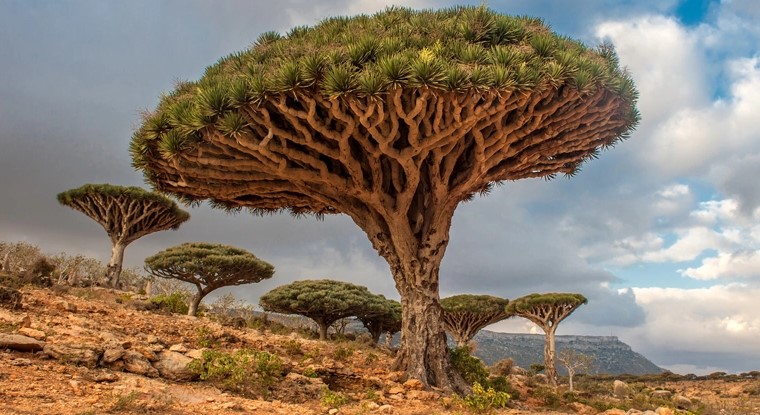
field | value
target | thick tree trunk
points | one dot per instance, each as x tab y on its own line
7	262
194	303
115	263
461	342
550	356
423	353
323	330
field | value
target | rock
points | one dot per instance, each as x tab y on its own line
179	348
20	343
332	411
113	353
649	412
24	321
414	384
173	366
663	411
422	395
195	354
582	409
21	362
66	306
613	412
661	394
103	376
620	389
396	397
385	409
633	412
76	387
152	339
395	390
33	333
541	378
78	354
682	402
372	406
135	362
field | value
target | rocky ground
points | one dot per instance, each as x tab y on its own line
96	351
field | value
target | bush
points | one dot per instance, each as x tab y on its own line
501	384
246	372
10	298
342	354
173	303
334	399
503	367
484	400
470	368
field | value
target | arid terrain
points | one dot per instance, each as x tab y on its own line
100	352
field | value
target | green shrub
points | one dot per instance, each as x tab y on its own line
173	303
205	337
334	399
342	354
246	372
470	368
501	384
484	400
292	347
370	359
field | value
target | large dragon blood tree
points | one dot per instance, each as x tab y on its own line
126	213
392	119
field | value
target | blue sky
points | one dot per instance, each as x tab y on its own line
661	233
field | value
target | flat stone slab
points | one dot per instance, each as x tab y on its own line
20	343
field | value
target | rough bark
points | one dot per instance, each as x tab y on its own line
323	330
550	355
192	309
113	272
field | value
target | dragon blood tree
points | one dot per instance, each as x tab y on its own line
464	315
547	311
392	119
383	319
126	213
208	267
324	301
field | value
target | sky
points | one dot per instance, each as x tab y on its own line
661	233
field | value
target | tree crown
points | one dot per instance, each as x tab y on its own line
469	51
87	193
533	301
327	299
469	303
213	265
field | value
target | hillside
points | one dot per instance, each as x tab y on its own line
611	355
77	351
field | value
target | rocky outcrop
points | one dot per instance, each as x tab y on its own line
77	354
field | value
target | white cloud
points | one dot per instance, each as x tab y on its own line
727	265
719	318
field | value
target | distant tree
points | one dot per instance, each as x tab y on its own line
324	301
382	317
208	267
575	362
126	213
464	315
547	311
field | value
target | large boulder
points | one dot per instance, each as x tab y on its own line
620	389
173	366
135	362
78	354
20	343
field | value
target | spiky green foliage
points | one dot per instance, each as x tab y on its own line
324	301
533	302
208	267
451	49
465	314
132	193
381	316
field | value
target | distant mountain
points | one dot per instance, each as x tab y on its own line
610	354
